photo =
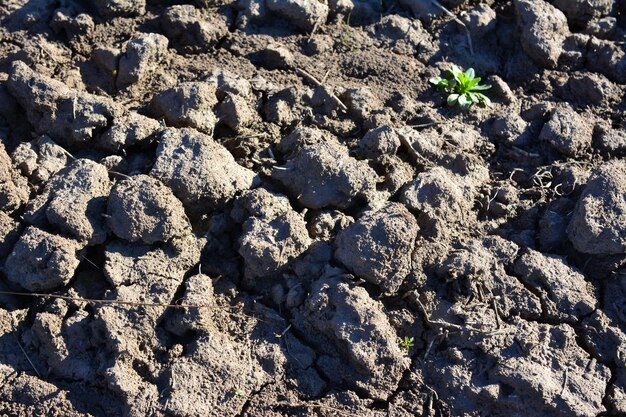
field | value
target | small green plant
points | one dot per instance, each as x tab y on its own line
238	392
407	343
346	37
462	88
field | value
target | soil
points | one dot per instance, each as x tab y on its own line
264	208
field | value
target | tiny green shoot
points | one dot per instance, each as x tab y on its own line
238	392
346	37
463	88
407	343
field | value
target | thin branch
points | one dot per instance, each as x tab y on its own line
228	309
319	84
28	359
118	302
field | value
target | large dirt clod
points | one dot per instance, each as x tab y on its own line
564	293
581	11
75	118
14	190
66	343
440	200
304	14
201	172
186	27
543	28
380	141
41	261
142	209
187	105
39	159
69	117
74	200
567	132
378	247
598	225
143	55
340	316
114	8
139	274
273	235
10	230
324	175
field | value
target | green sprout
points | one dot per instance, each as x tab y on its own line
407	343
238	392
462	88
346	38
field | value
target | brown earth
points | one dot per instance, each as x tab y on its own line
284	170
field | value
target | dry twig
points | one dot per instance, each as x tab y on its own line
317	82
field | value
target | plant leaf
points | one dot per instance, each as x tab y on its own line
474	81
452	98
469	74
481	87
484	99
464	102
474	97
435	80
456	73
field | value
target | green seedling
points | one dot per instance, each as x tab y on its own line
238	392
346	37
407	343
462	88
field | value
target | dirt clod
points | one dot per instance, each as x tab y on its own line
265	208
324	175
74	200
41	261
201	172
598	224
377	247
142	209
567	132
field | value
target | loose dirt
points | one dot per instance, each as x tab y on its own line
269	198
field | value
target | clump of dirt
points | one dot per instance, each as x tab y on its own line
263	207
